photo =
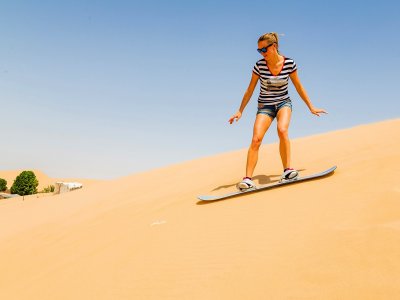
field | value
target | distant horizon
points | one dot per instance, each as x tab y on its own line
101	89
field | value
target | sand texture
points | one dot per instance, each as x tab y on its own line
146	236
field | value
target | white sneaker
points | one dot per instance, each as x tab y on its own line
246	184
289	174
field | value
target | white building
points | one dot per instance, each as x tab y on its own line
63	187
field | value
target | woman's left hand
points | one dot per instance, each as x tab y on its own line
317	111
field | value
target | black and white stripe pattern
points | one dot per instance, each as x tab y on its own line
274	89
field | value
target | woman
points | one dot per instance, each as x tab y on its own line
273	71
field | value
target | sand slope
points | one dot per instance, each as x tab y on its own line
146	236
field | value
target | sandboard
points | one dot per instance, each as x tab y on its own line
267	186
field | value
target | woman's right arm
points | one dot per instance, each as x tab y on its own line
246	97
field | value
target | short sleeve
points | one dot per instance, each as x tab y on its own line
294	66
256	69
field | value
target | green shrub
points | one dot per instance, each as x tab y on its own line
25	184
49	189
3	185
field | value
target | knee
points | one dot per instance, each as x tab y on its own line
283	132
255	143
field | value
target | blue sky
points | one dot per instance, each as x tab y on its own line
102	89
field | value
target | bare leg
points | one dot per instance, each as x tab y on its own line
261	126
283	118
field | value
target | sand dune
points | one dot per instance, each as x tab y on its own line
146	236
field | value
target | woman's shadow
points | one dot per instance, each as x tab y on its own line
260	179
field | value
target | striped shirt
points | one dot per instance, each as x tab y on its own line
274	89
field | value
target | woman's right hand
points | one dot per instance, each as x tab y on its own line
236	117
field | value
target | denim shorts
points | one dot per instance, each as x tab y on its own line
272	109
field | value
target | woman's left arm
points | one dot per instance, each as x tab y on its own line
302	93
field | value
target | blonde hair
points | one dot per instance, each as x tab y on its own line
271	38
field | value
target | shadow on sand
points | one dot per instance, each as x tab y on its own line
262	179
266	178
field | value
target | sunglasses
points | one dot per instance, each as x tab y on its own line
265	49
